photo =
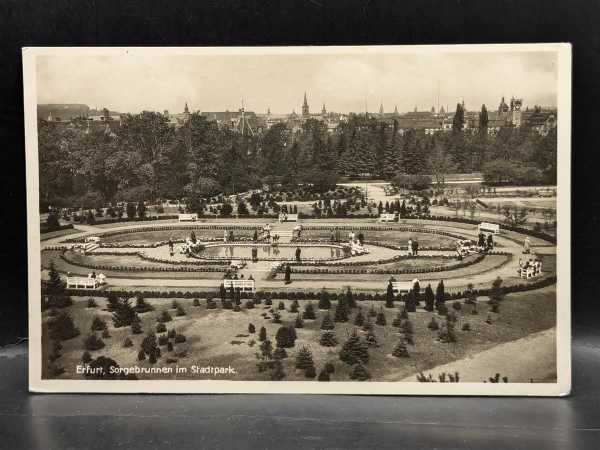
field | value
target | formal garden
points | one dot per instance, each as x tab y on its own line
330	301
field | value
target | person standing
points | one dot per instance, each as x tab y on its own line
416	248
288	274
298	251
527	246
490	242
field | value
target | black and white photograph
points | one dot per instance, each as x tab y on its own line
362	220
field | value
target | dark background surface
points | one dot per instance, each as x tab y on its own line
77	422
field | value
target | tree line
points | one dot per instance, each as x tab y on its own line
145	158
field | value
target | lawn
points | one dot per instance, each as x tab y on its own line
389	237
490	262
150	237
122	260
58	233
221	338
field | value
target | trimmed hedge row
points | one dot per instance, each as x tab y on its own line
299	295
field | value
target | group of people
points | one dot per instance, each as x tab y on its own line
232	275
485	243
531	267
356	243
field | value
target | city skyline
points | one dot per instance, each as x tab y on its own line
278	82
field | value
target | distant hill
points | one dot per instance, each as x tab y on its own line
67	111
64	111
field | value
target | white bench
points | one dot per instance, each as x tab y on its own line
83	283
188	217
288	217
387	217
486	227
242	285
402	287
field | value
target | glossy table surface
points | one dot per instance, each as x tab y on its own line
67	421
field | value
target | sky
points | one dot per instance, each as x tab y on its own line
344	82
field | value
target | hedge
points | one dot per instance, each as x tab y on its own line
299	295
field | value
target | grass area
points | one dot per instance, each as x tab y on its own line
221	338
490	262
150	237
58	233
395	237
122	260
520	202
420	262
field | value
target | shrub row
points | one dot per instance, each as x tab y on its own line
299	295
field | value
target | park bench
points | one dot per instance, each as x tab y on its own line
486	227
242	285
387	217
402	287
188	217
88	283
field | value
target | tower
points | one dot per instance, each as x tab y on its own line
323	110
503	107
395	110
242	125
381	109
305	110
186	113
515	111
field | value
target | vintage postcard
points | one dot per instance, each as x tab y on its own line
328	220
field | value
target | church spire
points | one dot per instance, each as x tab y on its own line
381	108
305	109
